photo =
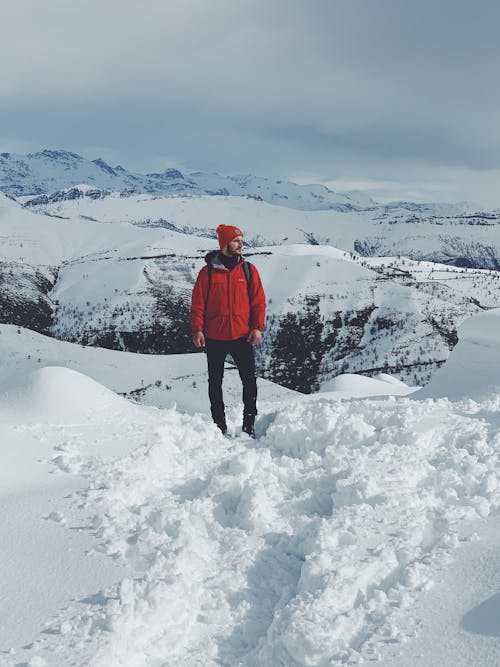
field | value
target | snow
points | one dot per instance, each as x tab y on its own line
47	396
178	380
42	172
93	280
458	618
437	233
476	357
45	542
349	385
44	240
360	526
319	543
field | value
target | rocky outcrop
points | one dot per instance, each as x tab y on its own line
24	296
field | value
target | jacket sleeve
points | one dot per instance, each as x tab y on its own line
198	301
257	301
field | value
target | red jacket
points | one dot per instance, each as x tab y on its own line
232	306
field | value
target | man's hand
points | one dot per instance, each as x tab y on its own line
255	337
199	339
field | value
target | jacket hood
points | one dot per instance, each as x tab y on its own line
213	258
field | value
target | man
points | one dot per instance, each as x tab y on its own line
227	317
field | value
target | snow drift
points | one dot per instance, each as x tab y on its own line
473	369
60	395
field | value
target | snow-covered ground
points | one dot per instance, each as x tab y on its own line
138	535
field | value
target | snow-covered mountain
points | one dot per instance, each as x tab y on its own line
114	267
64	183
447	234
50	171
114	282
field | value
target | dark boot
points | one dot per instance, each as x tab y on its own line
222	426
248	425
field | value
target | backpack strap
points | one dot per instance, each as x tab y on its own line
248	276
246	271
209	269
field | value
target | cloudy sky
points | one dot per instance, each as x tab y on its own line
396	97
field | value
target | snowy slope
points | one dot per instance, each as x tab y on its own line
162	381
438	233
309	546
476	357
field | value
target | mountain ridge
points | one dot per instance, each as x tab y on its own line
45	171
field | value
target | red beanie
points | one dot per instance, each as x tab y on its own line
226	234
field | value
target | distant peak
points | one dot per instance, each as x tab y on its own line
169	174
104	166
56	155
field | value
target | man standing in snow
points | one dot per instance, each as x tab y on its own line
227	317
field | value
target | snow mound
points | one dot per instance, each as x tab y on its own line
57	394
473	368
350	385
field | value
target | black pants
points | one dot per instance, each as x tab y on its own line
243	355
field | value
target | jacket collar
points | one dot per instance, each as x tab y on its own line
213	258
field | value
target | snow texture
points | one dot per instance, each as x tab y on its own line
308	546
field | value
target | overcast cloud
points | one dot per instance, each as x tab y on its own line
396	97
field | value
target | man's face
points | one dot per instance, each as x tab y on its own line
235	247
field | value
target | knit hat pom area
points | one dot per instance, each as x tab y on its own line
226	233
